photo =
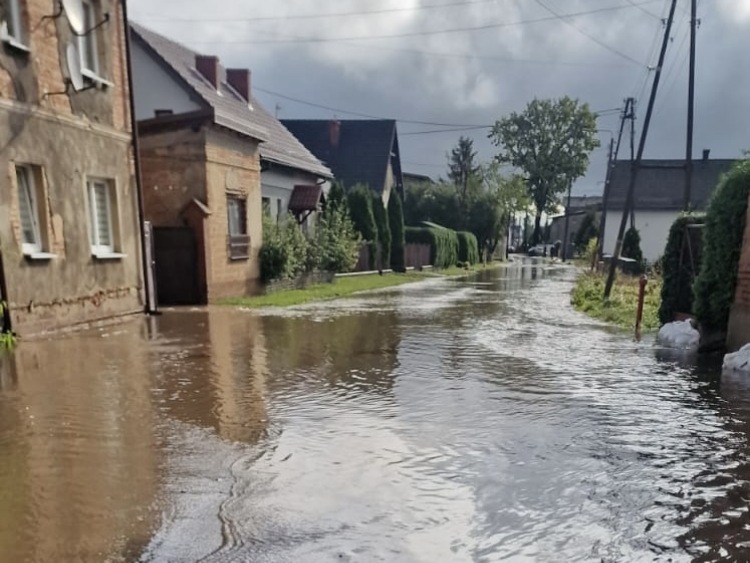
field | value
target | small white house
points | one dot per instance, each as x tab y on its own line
659	195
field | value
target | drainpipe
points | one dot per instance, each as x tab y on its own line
150	307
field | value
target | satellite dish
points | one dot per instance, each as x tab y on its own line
74	66
74	13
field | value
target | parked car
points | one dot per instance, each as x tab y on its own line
537	250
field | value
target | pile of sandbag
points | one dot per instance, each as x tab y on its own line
679	334
738	361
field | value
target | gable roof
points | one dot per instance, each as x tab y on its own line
362	153
660	184
230	110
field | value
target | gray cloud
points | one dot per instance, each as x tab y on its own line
483	74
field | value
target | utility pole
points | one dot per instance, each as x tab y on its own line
691	108
628	113
567	223
632	150
639	155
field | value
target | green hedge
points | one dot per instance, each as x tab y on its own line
396	221
631	247
443	244
384	230
677	288
468	247
713	291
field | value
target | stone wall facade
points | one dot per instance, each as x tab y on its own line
66	139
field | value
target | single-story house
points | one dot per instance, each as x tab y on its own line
658	198
200	168
213	160
358	151
579	207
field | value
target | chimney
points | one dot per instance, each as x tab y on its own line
209	68
334	132
706	152
239	79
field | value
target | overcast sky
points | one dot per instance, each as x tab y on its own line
469	62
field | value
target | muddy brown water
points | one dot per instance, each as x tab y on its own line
474	420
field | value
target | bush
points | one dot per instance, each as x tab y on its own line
443	244
468	248
677	290
396	221
713	291
631	247
384	230
360	211
285	252
336	242
336	198
587	231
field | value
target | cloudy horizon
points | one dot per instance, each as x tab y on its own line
470	62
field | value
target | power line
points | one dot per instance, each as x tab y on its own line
453	130
564	18
325	15
367	115
452	126
644	10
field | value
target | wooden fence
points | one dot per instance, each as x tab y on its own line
415	256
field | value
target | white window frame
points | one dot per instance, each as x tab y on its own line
89	43
98	249
28	195
11	30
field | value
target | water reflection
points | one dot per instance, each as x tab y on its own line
456	420
78	456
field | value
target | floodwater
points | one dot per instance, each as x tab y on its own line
474	420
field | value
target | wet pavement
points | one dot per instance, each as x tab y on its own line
453	420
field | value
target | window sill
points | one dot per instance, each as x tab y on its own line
95	79
39	256
14	44
108	255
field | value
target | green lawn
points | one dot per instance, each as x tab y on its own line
623	302
341	287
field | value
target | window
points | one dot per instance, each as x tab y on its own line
31	242
279	212
238	241
12	30
100	215
88	45
266	205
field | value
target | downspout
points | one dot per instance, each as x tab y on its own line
150	308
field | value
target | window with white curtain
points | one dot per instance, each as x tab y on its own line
88	45
31	238
101	216
13	28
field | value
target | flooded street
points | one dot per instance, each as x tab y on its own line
469	420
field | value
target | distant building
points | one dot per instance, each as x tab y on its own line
579	207
658	198
358	151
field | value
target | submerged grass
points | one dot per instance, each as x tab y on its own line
341	287
621	307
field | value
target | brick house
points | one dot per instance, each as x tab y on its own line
204	145
69	223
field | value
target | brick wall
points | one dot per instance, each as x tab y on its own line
173	172
232	167
738	331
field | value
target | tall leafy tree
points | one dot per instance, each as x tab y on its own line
550	143
384	228
463	170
